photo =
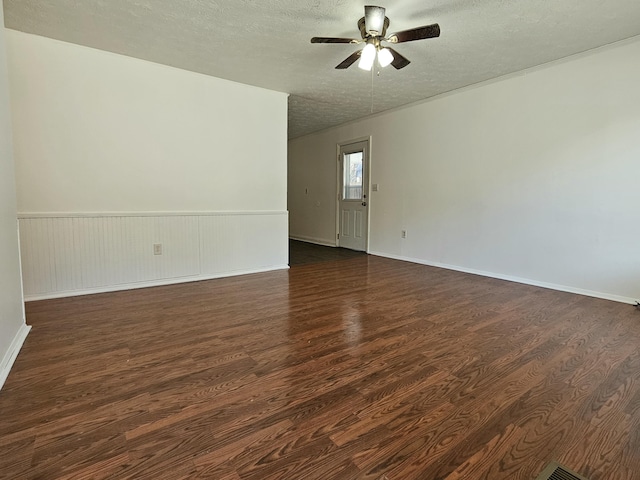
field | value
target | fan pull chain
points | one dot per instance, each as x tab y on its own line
372	91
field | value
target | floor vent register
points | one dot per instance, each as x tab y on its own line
555	471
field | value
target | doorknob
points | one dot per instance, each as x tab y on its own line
364	204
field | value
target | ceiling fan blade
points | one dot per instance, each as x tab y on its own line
374	19
333	40
420	33
350	60
399	61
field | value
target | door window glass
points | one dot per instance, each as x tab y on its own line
352	176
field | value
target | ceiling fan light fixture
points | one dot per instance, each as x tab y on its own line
367	57
385	57
373	32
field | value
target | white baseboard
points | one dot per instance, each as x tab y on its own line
12	353
317	241
526	281
155	283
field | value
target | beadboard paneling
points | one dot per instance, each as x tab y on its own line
236	242
71	254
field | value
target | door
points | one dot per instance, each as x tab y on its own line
353	188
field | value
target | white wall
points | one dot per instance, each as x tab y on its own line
96	131
13	329
533	177
312	177
103	135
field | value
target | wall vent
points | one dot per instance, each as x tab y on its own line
555	471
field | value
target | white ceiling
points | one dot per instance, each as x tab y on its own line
266	43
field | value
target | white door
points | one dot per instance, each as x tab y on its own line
353	189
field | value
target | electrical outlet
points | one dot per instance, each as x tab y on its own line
157	249
404	234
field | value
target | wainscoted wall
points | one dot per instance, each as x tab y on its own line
74	254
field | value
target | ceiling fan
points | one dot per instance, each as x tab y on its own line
373	30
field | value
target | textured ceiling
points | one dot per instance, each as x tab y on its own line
266	43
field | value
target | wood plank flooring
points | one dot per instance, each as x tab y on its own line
304	253
363	368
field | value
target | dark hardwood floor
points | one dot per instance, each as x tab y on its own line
303	253
363	368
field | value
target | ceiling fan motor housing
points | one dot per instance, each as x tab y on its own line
374	20
365	33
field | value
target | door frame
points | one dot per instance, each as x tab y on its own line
366	180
